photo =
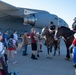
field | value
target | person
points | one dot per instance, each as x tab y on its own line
22	44
52	28
33	43
3	67
73	47
5	39
11	48
74	25
25	43
16	39
39	43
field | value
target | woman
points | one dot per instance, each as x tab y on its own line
11	48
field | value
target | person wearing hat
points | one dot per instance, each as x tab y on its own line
74	25
73	45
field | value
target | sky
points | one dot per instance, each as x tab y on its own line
64	9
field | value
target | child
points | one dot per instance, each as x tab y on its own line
11	47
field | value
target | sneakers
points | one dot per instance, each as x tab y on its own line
14	62
24	54
74	65
40	51
15	52
33	57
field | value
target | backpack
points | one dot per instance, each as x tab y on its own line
10	43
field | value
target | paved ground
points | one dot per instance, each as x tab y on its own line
42	66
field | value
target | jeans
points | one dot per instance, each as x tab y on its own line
25	49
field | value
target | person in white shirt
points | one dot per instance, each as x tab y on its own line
1	45
15	36
3	66
11	48
16	39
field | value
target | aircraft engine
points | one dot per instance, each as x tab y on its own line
41	19
31	19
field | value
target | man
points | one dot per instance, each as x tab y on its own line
25	43
33	43
52	32
74	25
5	39
52	29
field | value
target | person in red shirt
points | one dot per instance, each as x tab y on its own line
33	43
74	42
73	45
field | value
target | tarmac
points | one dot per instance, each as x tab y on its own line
43	66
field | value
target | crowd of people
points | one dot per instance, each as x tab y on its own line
9	45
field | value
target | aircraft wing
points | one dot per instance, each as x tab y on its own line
4	8
7	9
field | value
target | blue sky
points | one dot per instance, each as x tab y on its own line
64	9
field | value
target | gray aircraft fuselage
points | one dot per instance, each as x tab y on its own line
23	19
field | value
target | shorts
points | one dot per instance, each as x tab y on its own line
34	46
11	49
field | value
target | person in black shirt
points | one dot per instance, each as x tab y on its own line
52	29
74	25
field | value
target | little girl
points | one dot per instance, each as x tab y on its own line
11	47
